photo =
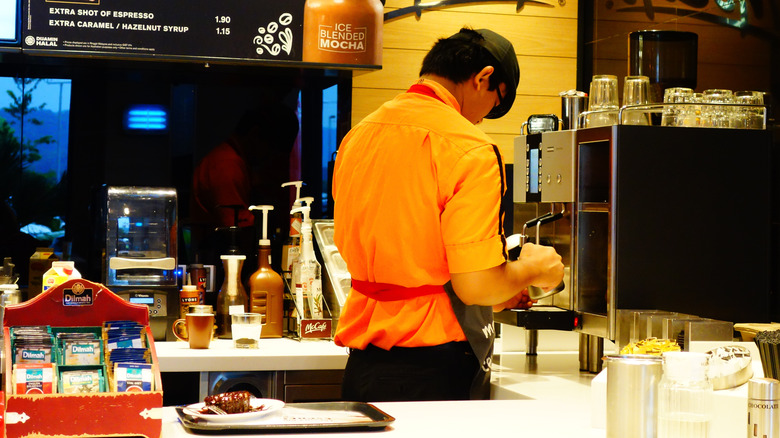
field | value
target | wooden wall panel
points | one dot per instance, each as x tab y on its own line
528	10
545	76
544	37
530	35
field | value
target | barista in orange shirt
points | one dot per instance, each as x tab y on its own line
417	189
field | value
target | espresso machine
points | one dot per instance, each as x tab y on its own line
139	236
662	220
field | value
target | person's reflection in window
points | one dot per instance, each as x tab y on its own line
248	168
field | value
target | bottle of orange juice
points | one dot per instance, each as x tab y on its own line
59	272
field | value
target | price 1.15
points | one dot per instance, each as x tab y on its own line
222	21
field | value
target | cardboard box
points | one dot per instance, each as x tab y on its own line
40	262
80	303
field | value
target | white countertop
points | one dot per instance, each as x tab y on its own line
543	418
550	375
544	395
273	355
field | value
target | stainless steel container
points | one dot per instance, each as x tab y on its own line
632	399
573	103
763	408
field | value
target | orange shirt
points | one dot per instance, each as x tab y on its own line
417	192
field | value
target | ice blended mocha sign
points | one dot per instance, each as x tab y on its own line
231	31
343	31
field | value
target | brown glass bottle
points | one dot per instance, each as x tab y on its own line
343	31
266	293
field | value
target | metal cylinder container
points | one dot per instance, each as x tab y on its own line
573	103
763	408
632	398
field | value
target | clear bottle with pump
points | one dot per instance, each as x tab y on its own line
266	287
684	396
232	296
291	246
307	273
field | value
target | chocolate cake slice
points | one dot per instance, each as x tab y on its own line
234	402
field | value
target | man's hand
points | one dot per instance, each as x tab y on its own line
519	301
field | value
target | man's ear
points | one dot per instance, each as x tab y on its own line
483	77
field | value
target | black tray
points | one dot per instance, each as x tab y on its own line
299	417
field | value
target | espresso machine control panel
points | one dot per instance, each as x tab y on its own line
549	160
157	301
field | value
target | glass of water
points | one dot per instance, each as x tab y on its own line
246	329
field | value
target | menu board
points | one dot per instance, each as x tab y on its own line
229	30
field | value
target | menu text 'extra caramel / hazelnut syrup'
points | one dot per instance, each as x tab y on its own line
343	32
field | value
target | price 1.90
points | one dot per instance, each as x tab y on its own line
222	19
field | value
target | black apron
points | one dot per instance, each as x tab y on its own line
477	324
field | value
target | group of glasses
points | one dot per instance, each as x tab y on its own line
713	108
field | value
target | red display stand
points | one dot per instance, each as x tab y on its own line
80	303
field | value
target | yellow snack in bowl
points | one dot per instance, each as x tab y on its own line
652	346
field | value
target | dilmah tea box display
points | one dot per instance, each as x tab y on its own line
79	344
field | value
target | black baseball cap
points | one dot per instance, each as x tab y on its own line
504	52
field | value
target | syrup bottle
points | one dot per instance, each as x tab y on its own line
232	296
291	248
266	287
307	273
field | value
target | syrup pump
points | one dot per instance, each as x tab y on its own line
291	247
266	287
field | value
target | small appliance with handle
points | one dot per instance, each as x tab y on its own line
518	240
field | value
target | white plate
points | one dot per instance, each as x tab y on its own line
269	405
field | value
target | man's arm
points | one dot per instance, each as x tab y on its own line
505	284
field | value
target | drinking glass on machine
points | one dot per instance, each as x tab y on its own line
676	112
603	101
635	91
693	117
246	328
715	115
749	117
